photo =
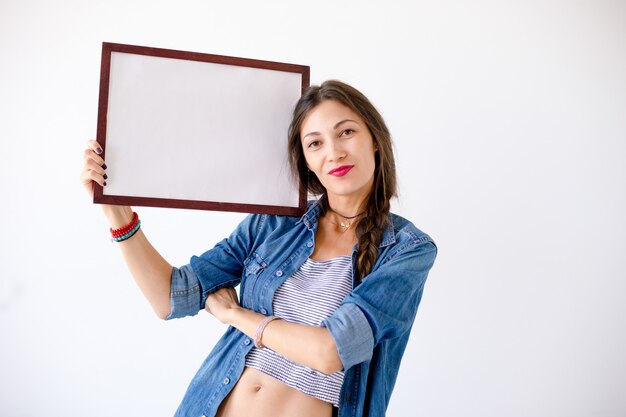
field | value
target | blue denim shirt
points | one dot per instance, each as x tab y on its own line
371	327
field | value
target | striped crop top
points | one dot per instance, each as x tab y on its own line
310	295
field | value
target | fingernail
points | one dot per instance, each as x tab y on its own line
105	176
99	150
105	183
104	166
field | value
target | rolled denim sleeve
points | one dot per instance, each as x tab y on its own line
186	297
383	306
216	268
352	334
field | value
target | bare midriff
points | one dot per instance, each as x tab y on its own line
260	395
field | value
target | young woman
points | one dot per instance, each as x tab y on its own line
327	300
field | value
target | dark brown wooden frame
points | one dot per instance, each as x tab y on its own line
101	198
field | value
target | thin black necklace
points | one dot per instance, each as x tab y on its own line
346	217
343	225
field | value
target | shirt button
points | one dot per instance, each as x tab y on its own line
279	273
264	311
226	381
246	342
309	244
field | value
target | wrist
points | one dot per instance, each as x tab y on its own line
231	315
117	216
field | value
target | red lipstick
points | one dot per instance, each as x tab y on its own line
341	171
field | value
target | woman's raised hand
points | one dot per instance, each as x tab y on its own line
94	167
151	272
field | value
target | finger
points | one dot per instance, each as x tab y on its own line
233	294
207	303
91	165
89	154
229	293
95	146
87	177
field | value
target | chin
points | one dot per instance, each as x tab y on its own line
344	192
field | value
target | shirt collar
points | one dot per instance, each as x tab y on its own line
309	218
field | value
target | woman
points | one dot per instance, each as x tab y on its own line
327	301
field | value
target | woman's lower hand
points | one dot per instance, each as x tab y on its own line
221	303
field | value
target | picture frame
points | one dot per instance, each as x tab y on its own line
200	131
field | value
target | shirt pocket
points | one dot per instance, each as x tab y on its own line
253	267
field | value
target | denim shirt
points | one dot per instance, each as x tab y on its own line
370	328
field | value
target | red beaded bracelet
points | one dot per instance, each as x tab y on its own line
125	229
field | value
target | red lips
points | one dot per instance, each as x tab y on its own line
340	171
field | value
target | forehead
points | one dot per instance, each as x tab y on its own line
325	115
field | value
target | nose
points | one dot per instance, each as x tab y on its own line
335	152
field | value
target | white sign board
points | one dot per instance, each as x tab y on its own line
188	130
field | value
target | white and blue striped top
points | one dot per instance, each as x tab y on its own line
310	295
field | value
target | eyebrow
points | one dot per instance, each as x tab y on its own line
334	127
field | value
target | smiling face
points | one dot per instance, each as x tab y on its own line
339	150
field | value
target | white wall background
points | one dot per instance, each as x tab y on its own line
510	125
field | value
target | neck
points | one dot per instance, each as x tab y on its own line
346	206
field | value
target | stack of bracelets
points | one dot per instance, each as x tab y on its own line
126	232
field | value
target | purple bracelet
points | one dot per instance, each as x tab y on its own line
260	329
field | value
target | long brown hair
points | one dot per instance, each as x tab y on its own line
370	227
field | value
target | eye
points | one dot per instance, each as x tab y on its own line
347	132
314	144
